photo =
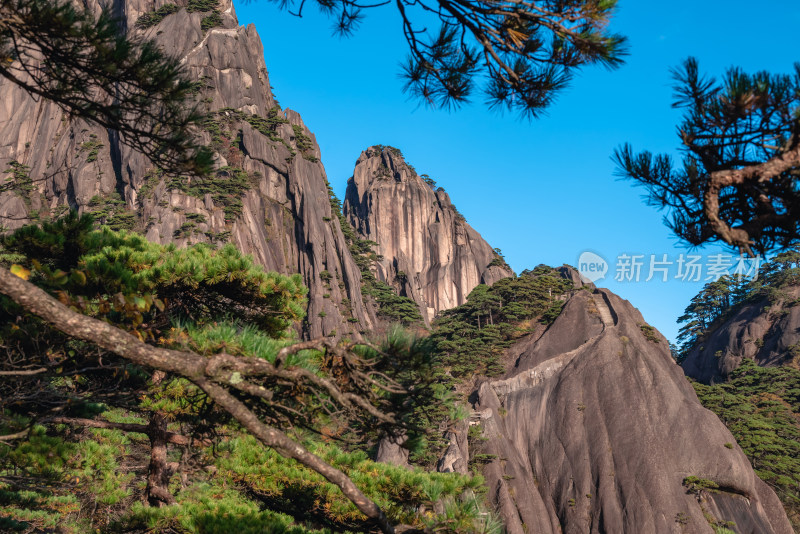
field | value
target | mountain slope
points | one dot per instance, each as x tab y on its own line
594	428
765	329
601	432
742	350
269	197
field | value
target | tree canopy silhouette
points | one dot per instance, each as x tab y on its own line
738	181
521	52
92	70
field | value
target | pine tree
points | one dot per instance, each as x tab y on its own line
738	181
186	341
526	51
62	52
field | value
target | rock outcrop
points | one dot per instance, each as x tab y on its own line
270	199
430	253
765	330
596	429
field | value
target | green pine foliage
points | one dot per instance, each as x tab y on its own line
267	126
428	180
207	301
107	77
650	333
427	403
201	6
226	186
761	407
57	473
391	306
151	18
719	299
75	257
470	341
304	143
402	493
111	211
210	508
91	148
18	181
151	180
211	20
472	338
167	296
250	489
221	124
499	260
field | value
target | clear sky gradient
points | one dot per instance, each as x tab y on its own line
542	191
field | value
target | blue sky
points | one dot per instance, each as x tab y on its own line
542	191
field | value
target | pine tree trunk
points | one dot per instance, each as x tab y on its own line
160	471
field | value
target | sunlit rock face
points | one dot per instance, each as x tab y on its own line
284	219
430	253
595	429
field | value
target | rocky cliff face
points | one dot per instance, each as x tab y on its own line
270	197
764	330
430	254
595	429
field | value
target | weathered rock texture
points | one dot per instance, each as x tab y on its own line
596	428
430	253
285	218
766	331
391	451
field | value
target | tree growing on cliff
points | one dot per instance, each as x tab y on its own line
523	51
720	298
738	181
85	65
101	321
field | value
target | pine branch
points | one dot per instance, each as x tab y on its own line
188	365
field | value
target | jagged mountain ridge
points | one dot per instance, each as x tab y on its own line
430	253
282	222
271	201
595	429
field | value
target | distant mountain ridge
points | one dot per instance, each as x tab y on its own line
592	429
